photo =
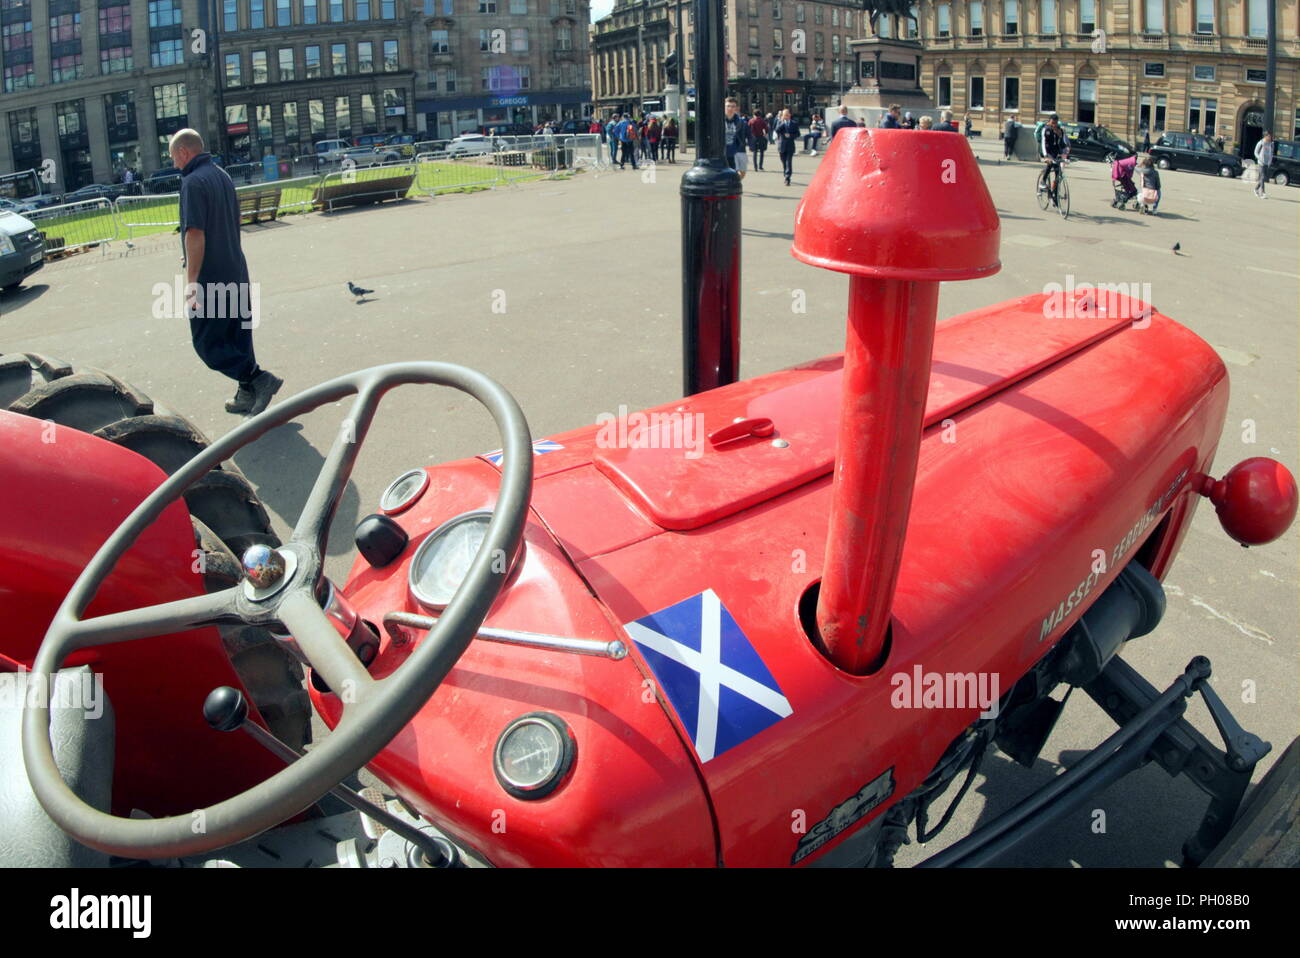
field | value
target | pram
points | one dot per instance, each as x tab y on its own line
1121	178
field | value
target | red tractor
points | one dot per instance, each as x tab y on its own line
661	639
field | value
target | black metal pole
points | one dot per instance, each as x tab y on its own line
710	225
1270	91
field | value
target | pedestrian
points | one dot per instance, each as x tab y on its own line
947	125
611	137
926	122
652	134
627	141
758	132
890	120
218	296
787	135
669	140
815	131
1264	157
1150	187
843	122
772	120
968	126
1218	143
1146	140
736	142
1009	138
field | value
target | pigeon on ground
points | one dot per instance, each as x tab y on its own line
1177	247
358	292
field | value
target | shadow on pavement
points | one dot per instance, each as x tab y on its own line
283	466
14	299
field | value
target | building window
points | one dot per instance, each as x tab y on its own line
777	40
388	9
943	95
1204	112
487	6
316	117
170	101
229	16
1047	95
439	41
1154	20
1145	115
1256	76
976	99
291	121
835	43
944	25
1011	93
365	57
165	53
1153	69
977	18
563	38
256	14
342	117
524	74
20	76
65	68
1086	109
754	66
232	70
115	59
801	69
363	10
1087	16
519	7
1203	71
338	59
1295	130
518	39
311	60
162	13
17	36
913	23
308	17
778	67
368	122
819	44
883	26
62	29
485	41
284	18
776	10
753	38
1204	16
1011	17
1257	19
286	64
819	16
67	117
336	11
799	14
1046	16
390	56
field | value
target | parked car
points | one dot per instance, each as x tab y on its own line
1191	151
167	180
401	143
508	129
370	139
574	126
469	144
331	151
40	201
96	191
1286	162
1091	141
22	251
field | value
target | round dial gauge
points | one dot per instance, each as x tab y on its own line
403	491
443	560
533	754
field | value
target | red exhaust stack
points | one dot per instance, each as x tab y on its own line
900	211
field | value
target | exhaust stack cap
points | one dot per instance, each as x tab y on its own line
899	204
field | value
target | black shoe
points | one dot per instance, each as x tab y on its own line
242	402
264	386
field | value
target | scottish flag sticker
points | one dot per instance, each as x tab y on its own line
711	673
540	447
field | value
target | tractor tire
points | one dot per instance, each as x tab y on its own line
1267	832
224	508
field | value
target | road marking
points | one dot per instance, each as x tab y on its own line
1028	239
1235	356
1273	272
1247	630
1157	249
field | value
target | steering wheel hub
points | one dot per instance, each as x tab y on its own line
265	568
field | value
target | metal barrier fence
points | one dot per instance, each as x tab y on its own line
151	211
74	225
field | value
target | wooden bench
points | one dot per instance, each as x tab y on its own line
256	205
361	192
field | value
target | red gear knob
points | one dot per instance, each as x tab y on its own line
1256	501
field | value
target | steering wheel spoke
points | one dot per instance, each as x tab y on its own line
182	615
318	512
323	647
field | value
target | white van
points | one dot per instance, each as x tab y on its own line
22	251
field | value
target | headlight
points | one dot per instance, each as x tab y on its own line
403	491
6	245
443	559
533	755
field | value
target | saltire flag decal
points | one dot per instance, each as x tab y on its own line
540	446
710	672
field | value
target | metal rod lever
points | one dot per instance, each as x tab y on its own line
614	649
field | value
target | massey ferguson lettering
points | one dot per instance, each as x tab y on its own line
1081	591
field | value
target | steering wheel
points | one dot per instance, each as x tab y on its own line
374	710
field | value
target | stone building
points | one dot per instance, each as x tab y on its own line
1133	66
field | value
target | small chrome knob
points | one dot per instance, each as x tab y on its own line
263	566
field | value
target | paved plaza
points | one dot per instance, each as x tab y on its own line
569	293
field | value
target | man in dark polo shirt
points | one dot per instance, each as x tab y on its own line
218	296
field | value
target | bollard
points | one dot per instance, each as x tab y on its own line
900	211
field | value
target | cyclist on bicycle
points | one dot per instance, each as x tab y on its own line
1053	148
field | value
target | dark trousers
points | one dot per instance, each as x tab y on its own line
629	153
787	162
1009	145
225	344
759	151
654	151
670	149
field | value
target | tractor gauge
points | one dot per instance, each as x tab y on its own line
403	491
443	559
533	755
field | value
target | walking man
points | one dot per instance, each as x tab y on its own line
1264	157
626	135
611	134
787	135
217	292
844	121
890	120
758	131
1009	138
736	131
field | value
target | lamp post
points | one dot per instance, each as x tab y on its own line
1270	75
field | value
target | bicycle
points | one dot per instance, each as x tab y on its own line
1058	194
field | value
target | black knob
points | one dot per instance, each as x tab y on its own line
225	708
380	539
